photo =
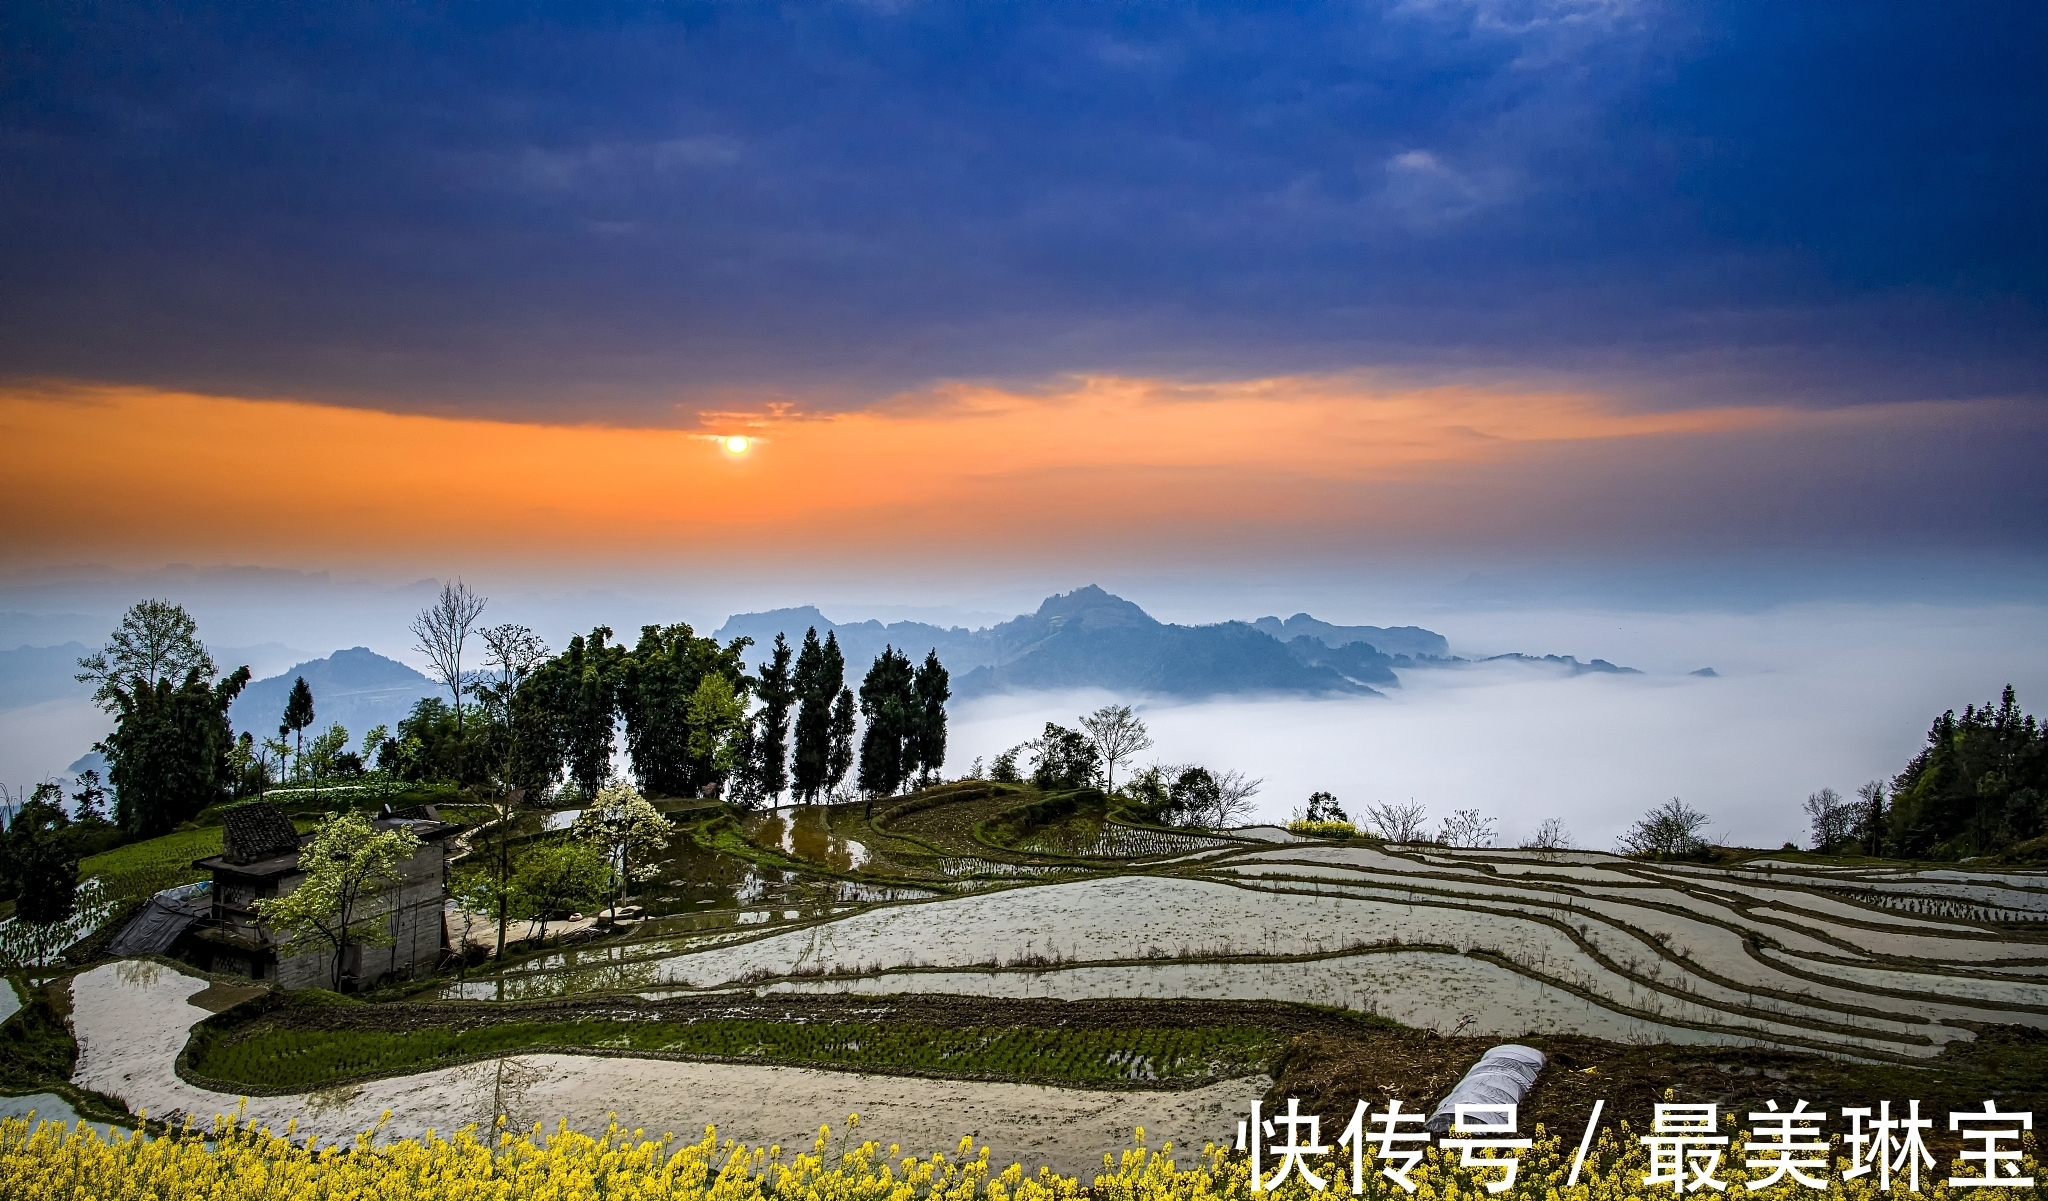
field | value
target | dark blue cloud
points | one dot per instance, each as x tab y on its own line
527	207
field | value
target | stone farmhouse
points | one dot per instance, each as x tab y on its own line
259	859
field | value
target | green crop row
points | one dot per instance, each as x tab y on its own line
270	1057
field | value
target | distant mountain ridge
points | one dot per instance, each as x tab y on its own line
357	687
1092	638
1413	641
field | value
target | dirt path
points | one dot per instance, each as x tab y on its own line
132	1019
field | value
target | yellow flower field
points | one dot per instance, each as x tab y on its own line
50	1162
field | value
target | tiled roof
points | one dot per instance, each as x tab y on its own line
257	830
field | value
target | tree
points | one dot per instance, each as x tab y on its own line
627	828
1549	836
156	640
168	754
547	883
1870	818
888	700
1234	793
658	688
325	755
442	630
298	714
1003	770
777	690
839	744
931	689
1670	831
717	717
1323	807
1980	784
1118	735
39	859
513	653
556	879
341	900
819	678
566	715
1831	819
1063	760
88	799
1467	829
1399	823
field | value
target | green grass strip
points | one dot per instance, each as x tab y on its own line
270	1057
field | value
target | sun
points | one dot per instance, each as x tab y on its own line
737	445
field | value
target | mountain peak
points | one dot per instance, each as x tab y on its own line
1091	608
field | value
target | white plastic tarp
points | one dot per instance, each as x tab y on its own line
1503	1076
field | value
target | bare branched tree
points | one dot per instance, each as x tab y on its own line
1399	822
1550	836
442	629
1118	735
1465	828
1671	830
1234	793
156	640
1832	819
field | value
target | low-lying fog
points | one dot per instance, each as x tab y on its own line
1805	698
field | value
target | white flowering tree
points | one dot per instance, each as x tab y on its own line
628	829
348	866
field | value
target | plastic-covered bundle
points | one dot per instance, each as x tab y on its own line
1503	1076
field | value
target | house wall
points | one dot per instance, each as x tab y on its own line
411	911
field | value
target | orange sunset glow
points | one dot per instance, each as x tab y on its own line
269	479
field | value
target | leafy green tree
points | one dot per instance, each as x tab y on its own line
1063	760
168	754
777	690
325	756
716	718
931	689
157	641
348	865
1979	786
819	678
1003	769
888	702
556	879
39	860
660	686
1323	807
298	714
565	714
89	799
628	829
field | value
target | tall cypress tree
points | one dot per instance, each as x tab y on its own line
932	688
819	678
771	741
888	701
298	714
839	752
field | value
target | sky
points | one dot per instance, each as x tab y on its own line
1458	313
401	290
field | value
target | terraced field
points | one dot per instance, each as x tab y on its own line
1874	962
